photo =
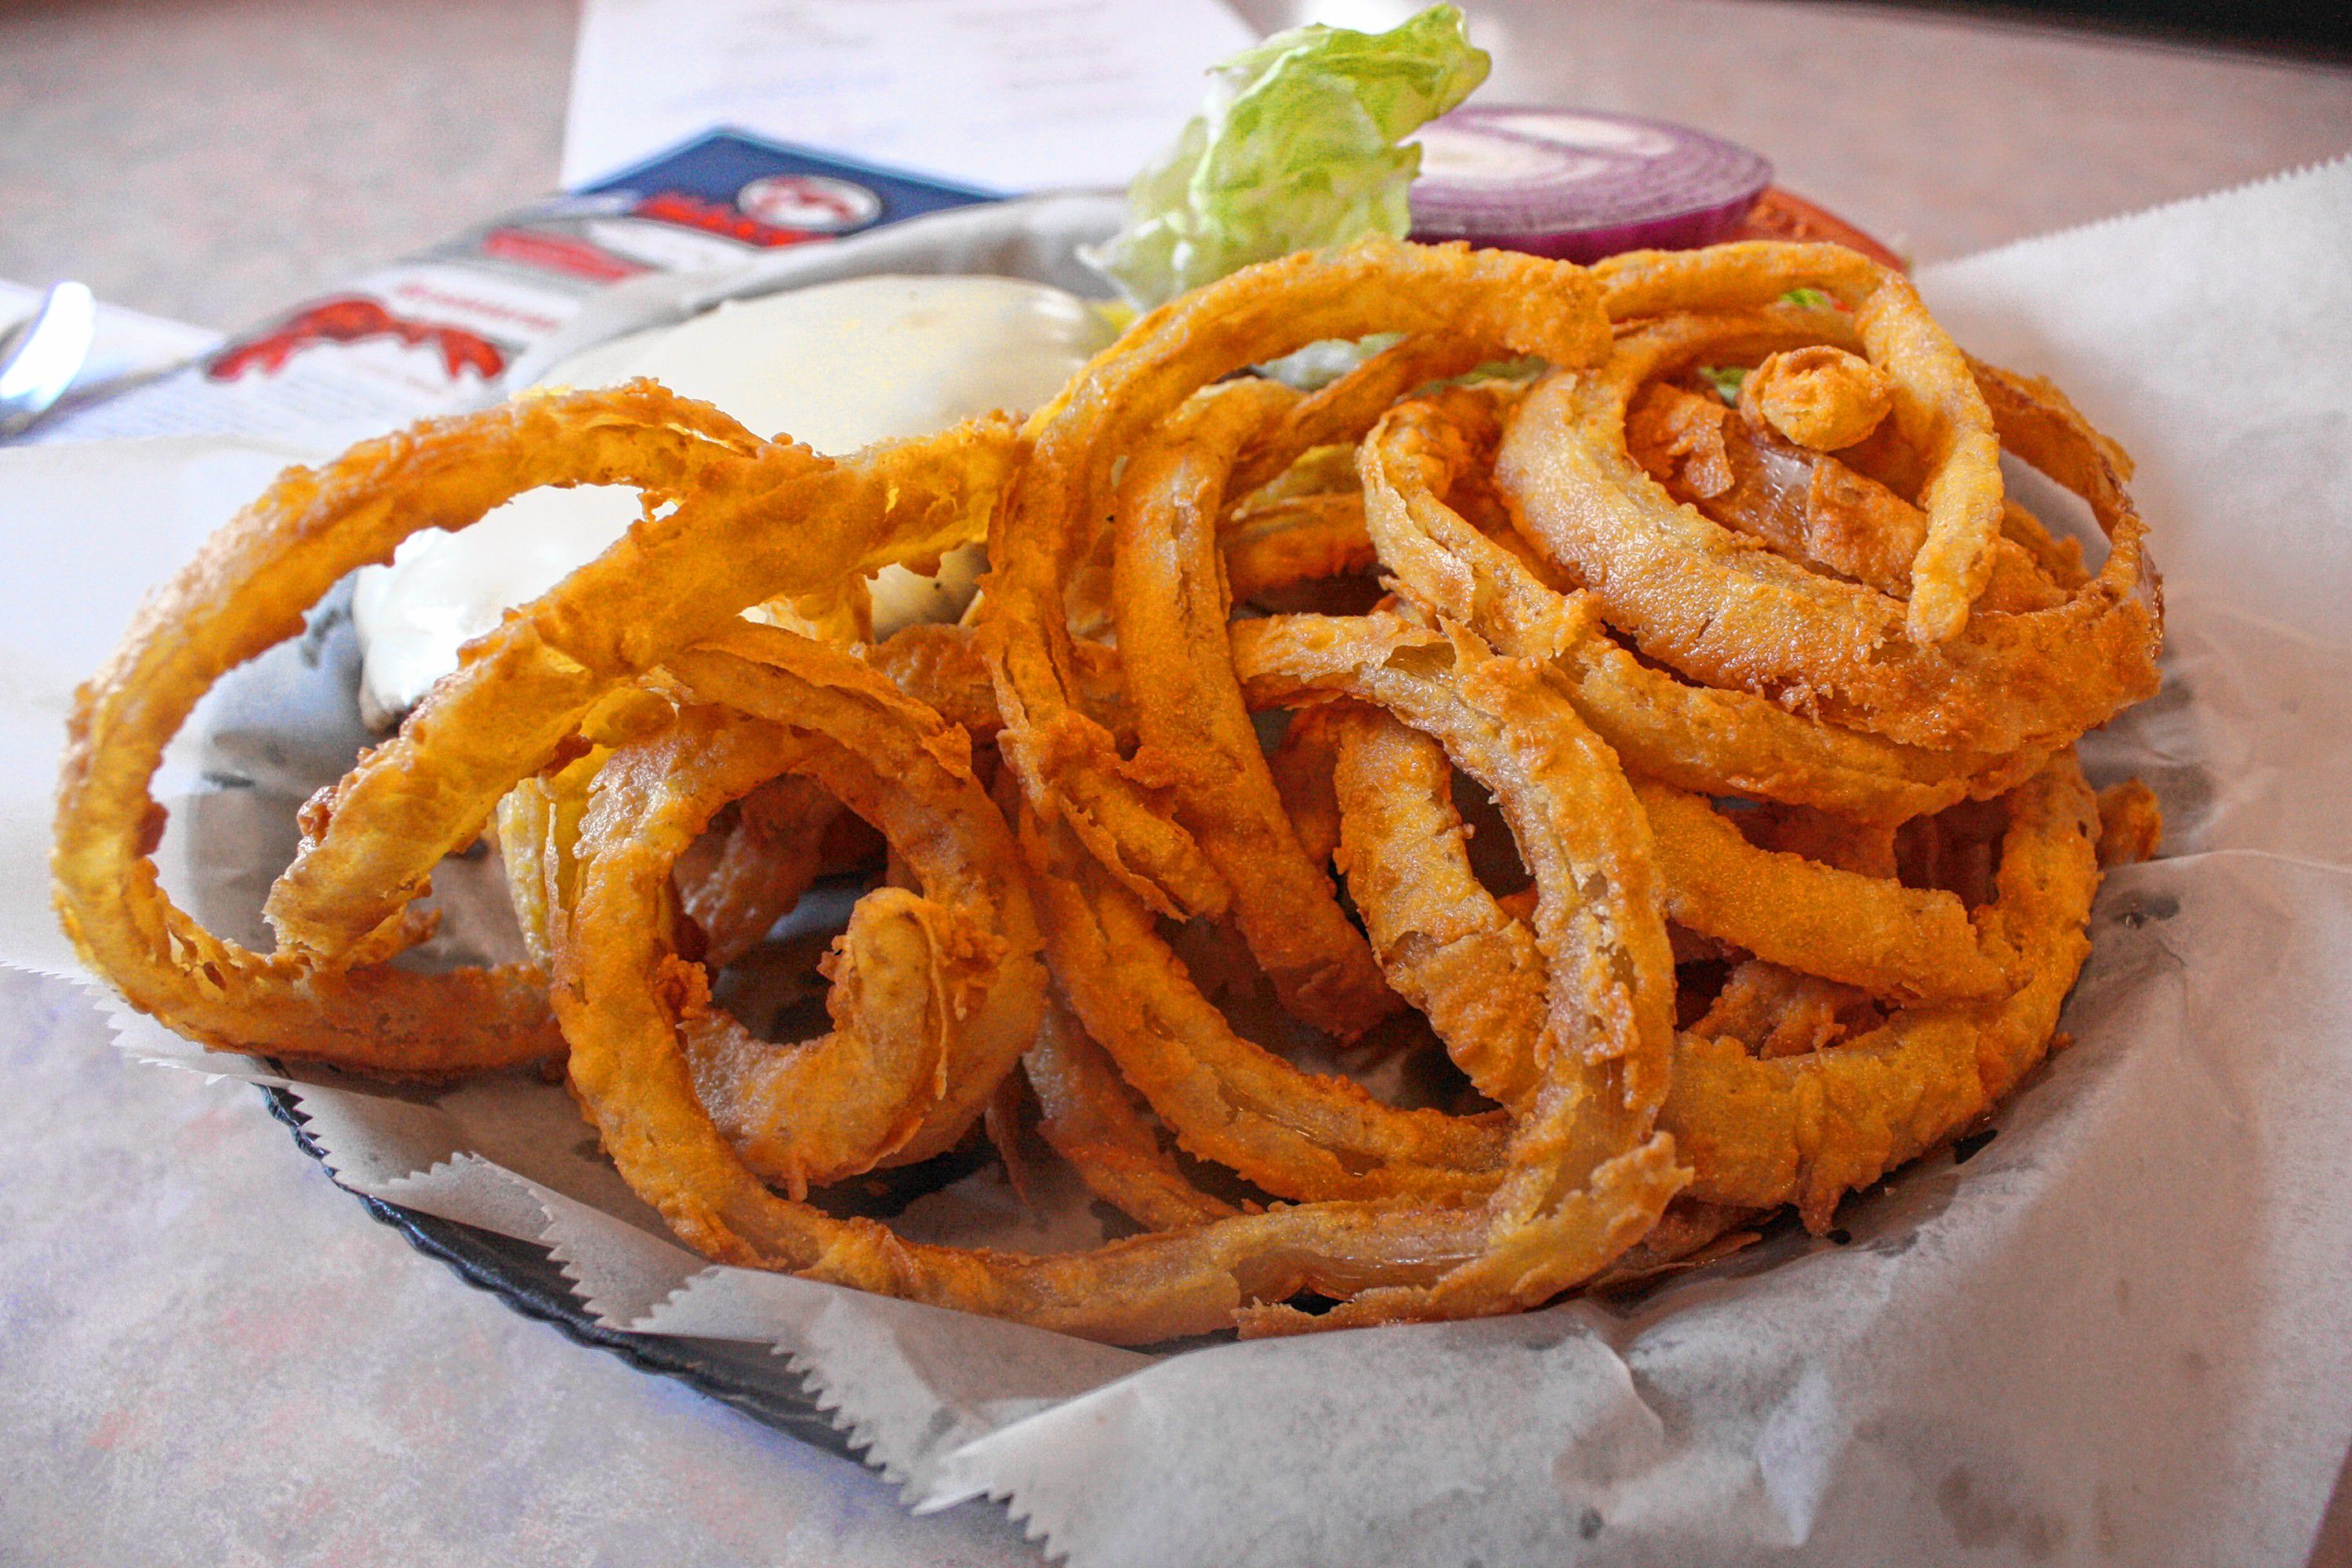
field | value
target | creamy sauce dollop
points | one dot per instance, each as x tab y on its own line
838	365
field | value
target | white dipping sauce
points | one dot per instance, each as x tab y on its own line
838	367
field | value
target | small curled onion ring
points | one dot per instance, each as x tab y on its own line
818	1112
934	995
895	764
1819	396
903	974
1936	403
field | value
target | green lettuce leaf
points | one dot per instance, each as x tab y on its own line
1727	379
1296	149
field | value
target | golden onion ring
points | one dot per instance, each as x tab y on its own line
906	975
1809	1129
1171	610
909	773
1913	945
247	590
1491	302
1090	1119
1475	972
791	523
1936	406
1711	742
1695	596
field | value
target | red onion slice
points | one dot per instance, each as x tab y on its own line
1579	184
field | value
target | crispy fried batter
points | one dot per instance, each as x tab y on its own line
2131	824
1784	740
1819	396
785	523
1173	610
1487	301
1700	598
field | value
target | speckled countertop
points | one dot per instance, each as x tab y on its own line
169	1390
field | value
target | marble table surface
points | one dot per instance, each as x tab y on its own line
174	1386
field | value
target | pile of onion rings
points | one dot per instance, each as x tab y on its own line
1628	719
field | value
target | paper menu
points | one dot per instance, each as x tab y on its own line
446	329
1008	95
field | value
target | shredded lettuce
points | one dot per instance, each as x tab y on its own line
1321	363
1727	379
1296	148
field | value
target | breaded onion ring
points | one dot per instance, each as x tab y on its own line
900	767
1808	507
1505	724
1698	597
1490	302
1090	1119
1936	406
1787	1127
1819	396
1907	944
1474	970
812	1112
1171	609
247	590
1713	743
905	974
787	522
1809	1129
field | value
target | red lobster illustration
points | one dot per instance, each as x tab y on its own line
349	319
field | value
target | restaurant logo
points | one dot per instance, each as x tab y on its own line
352	319
815	202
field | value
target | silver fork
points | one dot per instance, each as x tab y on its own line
41	354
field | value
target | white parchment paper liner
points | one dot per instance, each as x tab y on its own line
2118	1333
